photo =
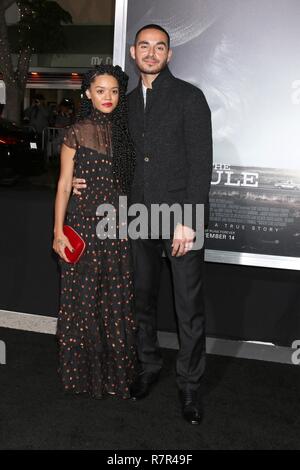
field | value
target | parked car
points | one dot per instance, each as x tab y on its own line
19	152
286	185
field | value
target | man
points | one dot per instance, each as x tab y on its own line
37	115
170	124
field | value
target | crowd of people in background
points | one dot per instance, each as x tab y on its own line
40	115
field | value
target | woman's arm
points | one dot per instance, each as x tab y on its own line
64	189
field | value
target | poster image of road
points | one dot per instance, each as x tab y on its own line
254	210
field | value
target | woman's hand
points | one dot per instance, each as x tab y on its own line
78	183
60	242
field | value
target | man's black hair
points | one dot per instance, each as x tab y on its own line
153	26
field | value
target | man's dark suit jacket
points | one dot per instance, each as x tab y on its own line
173	141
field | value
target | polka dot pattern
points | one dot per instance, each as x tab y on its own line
96	328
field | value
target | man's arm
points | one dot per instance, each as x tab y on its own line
198	148
198	145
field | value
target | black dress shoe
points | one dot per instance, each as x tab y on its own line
191	407
141	387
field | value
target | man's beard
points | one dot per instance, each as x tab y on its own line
153	70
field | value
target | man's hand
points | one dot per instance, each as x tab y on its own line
183	240
78	183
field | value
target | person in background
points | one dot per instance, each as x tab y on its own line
65	115
37	116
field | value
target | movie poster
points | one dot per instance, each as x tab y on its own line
245	56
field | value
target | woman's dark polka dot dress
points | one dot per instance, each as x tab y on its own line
96	327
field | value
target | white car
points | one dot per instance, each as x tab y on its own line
286	185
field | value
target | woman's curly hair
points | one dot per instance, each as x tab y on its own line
122	145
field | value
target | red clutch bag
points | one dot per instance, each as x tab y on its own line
77	243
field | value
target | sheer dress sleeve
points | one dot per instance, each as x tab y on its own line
70	138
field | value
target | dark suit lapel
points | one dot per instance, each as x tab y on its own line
140	101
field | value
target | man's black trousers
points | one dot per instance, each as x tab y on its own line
187	276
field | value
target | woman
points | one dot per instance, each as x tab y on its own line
96	328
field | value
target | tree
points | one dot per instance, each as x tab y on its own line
40	29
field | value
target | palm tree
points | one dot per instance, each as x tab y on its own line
40	29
